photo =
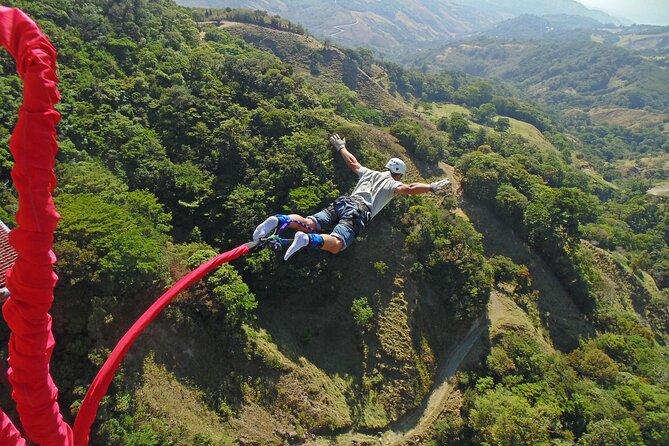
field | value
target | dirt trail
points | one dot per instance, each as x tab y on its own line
659	190
341	28
414	423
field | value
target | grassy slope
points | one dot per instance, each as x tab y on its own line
629	118
621	289
181	409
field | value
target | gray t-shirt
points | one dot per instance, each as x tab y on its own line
375	189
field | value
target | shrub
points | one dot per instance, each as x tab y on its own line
362	313
595	364
381	267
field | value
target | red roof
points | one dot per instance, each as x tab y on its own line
7	253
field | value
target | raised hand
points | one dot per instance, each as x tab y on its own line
337	142
438	185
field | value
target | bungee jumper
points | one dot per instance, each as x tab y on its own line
346	217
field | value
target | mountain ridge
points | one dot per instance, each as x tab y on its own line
394	26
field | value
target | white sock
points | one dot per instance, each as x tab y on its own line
300	241
265	227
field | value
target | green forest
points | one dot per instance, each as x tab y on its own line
179	136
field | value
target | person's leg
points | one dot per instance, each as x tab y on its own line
325	242
304	237
332	244
310	223
342	236
338	219
327	219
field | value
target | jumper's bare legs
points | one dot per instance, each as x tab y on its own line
305	221
330	243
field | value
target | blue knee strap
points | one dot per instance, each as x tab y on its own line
316	241
283	219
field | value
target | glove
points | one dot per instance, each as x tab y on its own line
438	185
337	142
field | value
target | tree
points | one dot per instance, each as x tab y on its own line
502	124
510	204
506	271
407	131
478	93
556	215
611	433
124	245
595	364
229	294
484	113
450	257
432	147
362	313
502	418
458	127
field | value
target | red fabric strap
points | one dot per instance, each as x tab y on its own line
31	279
9	435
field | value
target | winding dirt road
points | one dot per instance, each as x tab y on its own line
659	190
415	422
340	28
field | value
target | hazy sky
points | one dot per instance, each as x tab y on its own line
651	12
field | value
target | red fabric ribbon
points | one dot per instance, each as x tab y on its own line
31	279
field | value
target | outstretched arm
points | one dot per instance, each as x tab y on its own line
339	145
350	159
422	188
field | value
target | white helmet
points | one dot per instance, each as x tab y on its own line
396	165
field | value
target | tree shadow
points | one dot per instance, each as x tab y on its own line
565	323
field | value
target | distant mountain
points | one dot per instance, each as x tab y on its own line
644	39
398	26
513	8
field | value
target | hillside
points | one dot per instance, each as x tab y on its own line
546	26
572	73
535	291
609	99
329	65
393	27
652	41
559	315
386	26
